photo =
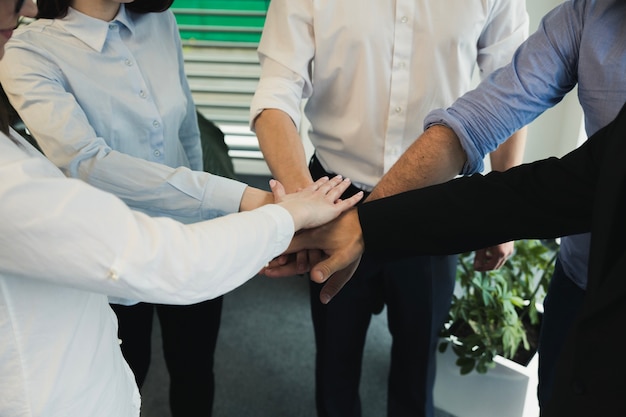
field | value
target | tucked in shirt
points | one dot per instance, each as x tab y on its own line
579	42
60	355
380	66
109	103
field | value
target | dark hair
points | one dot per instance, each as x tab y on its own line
4	120
56	9
7	113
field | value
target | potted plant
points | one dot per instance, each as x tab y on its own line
488	346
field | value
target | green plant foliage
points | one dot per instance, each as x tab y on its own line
487	318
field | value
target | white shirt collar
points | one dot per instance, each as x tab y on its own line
90	30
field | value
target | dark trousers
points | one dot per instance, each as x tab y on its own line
561	306
417	292
189	335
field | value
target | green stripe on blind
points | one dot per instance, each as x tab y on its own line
220	20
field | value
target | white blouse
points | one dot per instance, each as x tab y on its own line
65	246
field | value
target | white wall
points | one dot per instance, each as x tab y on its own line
558	130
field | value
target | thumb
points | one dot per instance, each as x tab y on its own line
336	273
277	189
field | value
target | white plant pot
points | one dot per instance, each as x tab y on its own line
508	390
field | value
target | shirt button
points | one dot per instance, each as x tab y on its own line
113	275
143	94
156	152
128	62
156	123
404	19
398	109
401	65
112	26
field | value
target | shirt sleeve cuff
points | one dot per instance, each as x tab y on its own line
474	162
222	196
284	224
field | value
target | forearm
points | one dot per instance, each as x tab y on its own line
109	249
450	218
435	157
507	155
253	198
510	153
282	149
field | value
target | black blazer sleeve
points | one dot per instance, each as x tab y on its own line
548	198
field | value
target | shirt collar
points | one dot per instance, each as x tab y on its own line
93	31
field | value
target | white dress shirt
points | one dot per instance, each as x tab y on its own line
109	103
65	246
379	68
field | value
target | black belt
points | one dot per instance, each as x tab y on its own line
317	171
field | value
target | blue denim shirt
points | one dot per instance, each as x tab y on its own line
579	42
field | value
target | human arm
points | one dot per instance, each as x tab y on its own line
507	155
544	199
189	131
543	70
286	54
282	149
435	157
93	125
68	233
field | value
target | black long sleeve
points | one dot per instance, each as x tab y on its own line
548	198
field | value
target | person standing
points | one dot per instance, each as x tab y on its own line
369	74
578	43
584	191
108	76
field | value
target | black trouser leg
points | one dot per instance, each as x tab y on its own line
189	340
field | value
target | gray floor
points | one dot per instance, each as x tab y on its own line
265	354
264	358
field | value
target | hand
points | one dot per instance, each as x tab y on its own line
293	264
341	242
317	203
494	257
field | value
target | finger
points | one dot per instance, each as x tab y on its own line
302	262
500	261
316	256
336	282
330	185
344	205
479	259
338	261
493	257
287	270
321	181
277	190
499	264
279	261
282	265
338	189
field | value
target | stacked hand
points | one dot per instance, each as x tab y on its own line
316	204
340	243
333	233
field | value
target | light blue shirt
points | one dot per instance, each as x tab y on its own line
109	103
579	42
